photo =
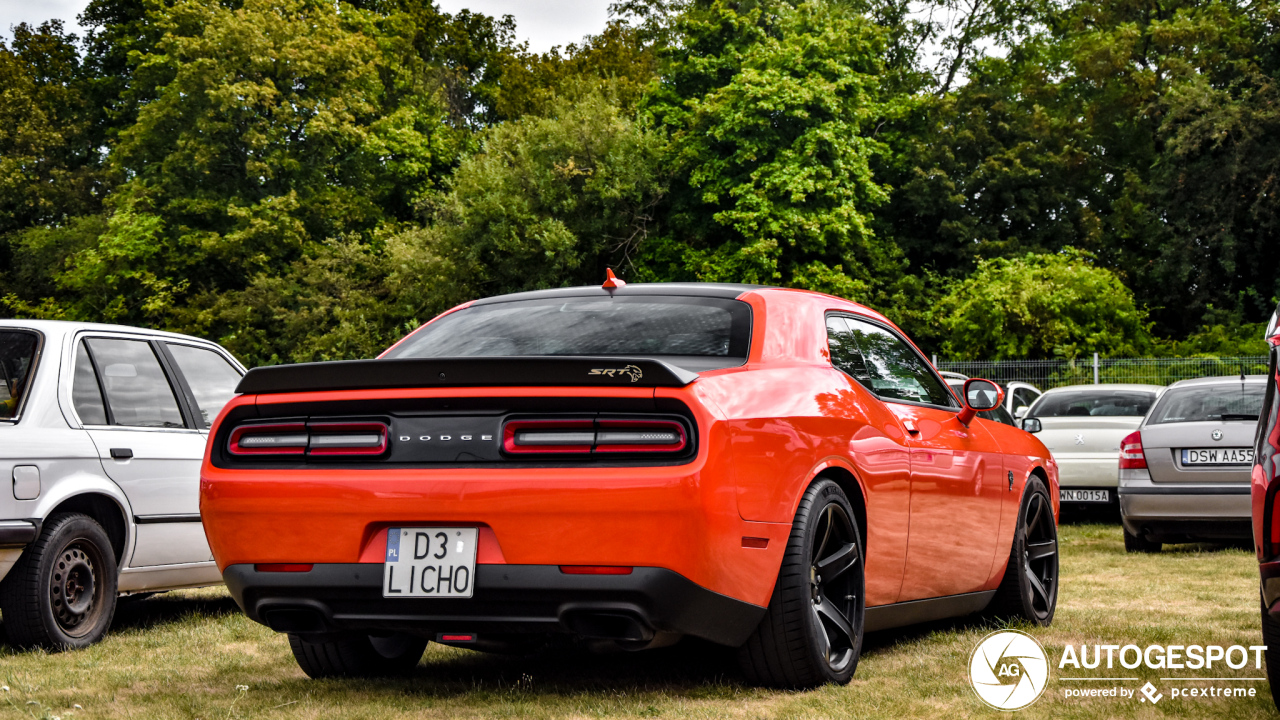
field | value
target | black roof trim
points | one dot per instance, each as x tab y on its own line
465	372
719	290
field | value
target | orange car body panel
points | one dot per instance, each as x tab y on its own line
940	511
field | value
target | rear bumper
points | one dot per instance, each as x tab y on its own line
1077	472
509	601
1192	512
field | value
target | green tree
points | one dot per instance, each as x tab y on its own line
546	202
1040	306
771	109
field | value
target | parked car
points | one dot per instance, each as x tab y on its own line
769	469
102	430
1184	473
1082	425
1018	396
1264	485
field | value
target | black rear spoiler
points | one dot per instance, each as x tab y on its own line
465	372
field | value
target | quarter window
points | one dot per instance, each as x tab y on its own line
211	378
17	359
883	363
138	393
86	394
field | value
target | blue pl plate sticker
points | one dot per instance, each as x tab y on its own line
393	545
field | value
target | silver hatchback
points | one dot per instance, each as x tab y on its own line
1184	474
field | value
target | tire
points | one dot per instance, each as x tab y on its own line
1271	638
1029	590
358	655
1139	544
73	559
811	633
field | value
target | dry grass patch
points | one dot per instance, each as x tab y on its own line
193	655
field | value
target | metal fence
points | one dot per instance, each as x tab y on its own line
1046	374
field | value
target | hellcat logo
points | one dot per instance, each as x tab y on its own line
631	371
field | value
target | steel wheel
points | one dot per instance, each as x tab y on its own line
1040	550
75	592
835	582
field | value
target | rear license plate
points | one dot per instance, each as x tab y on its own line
1217	456
1084	495
430	562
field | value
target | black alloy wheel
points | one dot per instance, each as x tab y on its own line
811	633
61	593
1029	590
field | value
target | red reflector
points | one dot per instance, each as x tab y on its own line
595	570
455	637
750	542
283	567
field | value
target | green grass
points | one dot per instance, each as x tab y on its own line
193	655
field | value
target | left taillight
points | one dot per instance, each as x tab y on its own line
1132	457
327	439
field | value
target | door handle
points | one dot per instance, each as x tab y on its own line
121	453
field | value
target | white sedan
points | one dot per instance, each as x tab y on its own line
102	431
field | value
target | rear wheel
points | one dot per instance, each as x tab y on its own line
1271	638
358	655
61	594
1140	544
1029	590
812	631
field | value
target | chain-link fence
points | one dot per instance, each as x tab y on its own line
1046	374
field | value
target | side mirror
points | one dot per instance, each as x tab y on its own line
979	396
1021	412
1031	425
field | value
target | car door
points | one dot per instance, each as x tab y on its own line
957	472
125	394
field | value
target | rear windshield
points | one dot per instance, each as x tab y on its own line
1095	403
17	358
1235	401
626	326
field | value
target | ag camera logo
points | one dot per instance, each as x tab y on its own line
1008	670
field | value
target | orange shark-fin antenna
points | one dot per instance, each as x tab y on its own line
611	281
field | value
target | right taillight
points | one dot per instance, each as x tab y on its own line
581	437
1131	455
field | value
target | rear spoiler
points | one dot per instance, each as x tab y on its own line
465	372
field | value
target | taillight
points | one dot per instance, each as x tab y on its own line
1131	455
639	436
347	438
580	437
298	438
548	436
280	439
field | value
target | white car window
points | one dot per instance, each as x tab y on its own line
211	378
138	393
86	394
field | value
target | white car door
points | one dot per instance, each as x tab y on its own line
148	441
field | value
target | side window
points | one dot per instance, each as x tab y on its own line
86	395
845	354
892	369
211	378
138	393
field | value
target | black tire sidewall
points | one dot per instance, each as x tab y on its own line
819	495
1019	555
60	533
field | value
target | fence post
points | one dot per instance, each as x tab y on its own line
935	359
1095	368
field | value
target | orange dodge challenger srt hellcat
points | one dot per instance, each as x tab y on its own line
770	469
